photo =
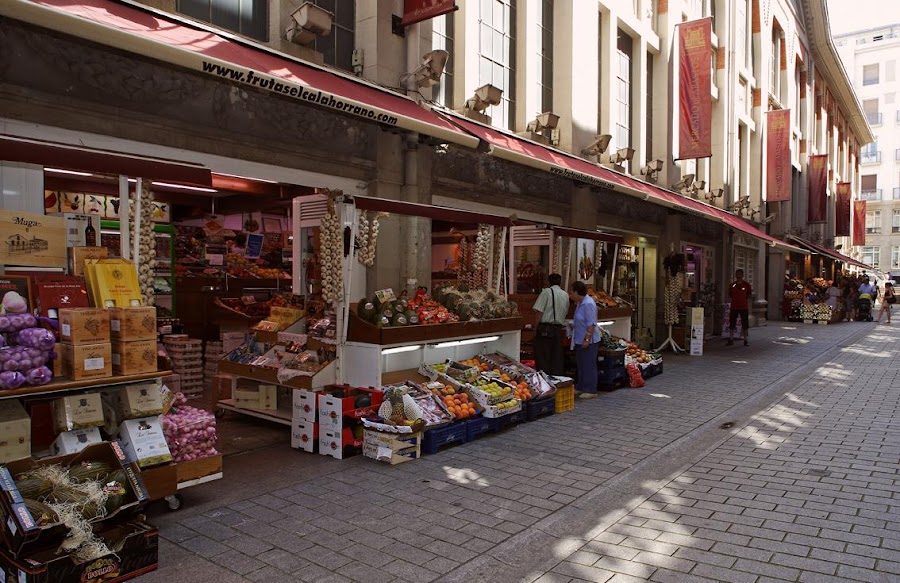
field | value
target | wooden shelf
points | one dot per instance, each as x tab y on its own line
362	331
63	385
398	376
263	374
278	416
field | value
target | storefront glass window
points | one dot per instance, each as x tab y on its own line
246	17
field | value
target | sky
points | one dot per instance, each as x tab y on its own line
852	15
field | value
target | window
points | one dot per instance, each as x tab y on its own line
797	81
337	47
895	257
497	56
623	91
545	33
442	38
870	74
869	187
871	256
649	145
742	39
869	154
890	70
246	17
870	107
775	64
873	222
600	128
895	221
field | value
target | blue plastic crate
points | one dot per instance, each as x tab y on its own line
476	427
500	423
610	359
536	408
435	439
611	379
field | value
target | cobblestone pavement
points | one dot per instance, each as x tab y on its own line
635	485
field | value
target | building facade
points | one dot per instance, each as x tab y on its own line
603	67
871	58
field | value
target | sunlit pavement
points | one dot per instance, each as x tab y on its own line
773	462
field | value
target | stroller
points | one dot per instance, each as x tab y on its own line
864	310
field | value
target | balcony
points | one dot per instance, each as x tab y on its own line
873	230
874	118
869	158
870	194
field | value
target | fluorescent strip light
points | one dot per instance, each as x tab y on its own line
183	187
606	323
469	341
72	172
400	349
246	177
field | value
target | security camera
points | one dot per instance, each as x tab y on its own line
622	155
598	146
685	181
431	69
485	96
309	23
545	121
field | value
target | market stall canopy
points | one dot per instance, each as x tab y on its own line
825	251
32	151
522	151
438	213
210	51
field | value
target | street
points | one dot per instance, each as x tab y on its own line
773	462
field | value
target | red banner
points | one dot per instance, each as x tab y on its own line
842	210
859	222
418	10
778	155
817	211
695	89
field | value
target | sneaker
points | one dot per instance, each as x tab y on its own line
730	342
746	342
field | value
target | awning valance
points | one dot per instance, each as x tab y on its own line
830	253
209	51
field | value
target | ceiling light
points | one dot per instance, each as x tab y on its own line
183	187
401	349
72	172
464	342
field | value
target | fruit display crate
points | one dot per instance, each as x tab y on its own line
564	399
494	411
360	330
477	427
536	408
517	417
486	399
435	439
652	369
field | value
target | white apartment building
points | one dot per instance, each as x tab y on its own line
871	58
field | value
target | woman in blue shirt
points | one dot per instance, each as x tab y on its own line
585	340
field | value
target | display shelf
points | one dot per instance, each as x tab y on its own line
399	376
270	375
62	386
195	472
362	331
278	416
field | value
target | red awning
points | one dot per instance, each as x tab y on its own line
825	251
158	35
31	151
526	152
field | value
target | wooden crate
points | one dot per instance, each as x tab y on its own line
31	239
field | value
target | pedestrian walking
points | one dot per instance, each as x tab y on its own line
585	340
551	308
868	293
740	306
851	296
887	300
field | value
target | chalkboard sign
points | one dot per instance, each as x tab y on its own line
254	246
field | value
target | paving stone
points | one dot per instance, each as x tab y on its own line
268	574
365	574
723	575
238	562
283	560
766	569
702	556
204	546
409	571
583	572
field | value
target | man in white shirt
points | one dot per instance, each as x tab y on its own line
551	308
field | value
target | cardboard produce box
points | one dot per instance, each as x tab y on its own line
52	295
15	431
87	361
77	256
139	554
143	441
78	412
74	441
113	283
133	323
32	240
136	400
304	435
137	357
84	325
392	448
305	405
22	533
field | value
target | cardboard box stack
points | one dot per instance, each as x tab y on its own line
212	354
186	355
304	428
86	347
341	410
15	431
133	333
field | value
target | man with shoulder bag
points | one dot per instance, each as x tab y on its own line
551	308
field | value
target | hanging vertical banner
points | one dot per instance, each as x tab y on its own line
859	222
817	211
695	89
778	155
842	210
418	10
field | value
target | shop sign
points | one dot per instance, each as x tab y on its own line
859	222
31	239
695	89
818	189
418	10
385	295
254	246
842	210
778	155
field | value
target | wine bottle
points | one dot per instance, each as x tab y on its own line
90	234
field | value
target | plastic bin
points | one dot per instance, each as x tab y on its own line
498	424
610	359
435	439
476	427
537	408
565	399
611	379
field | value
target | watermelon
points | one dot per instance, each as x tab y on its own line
399	320
465	311
451	301
366	310
412	318
383	322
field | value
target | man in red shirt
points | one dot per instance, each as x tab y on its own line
740	306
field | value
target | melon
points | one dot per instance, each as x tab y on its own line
399	320
512	308
366	310
451	301
465	311
383	322
412	318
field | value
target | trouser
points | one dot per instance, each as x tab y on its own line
586	359
548	351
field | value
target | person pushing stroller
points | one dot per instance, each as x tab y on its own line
867	294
